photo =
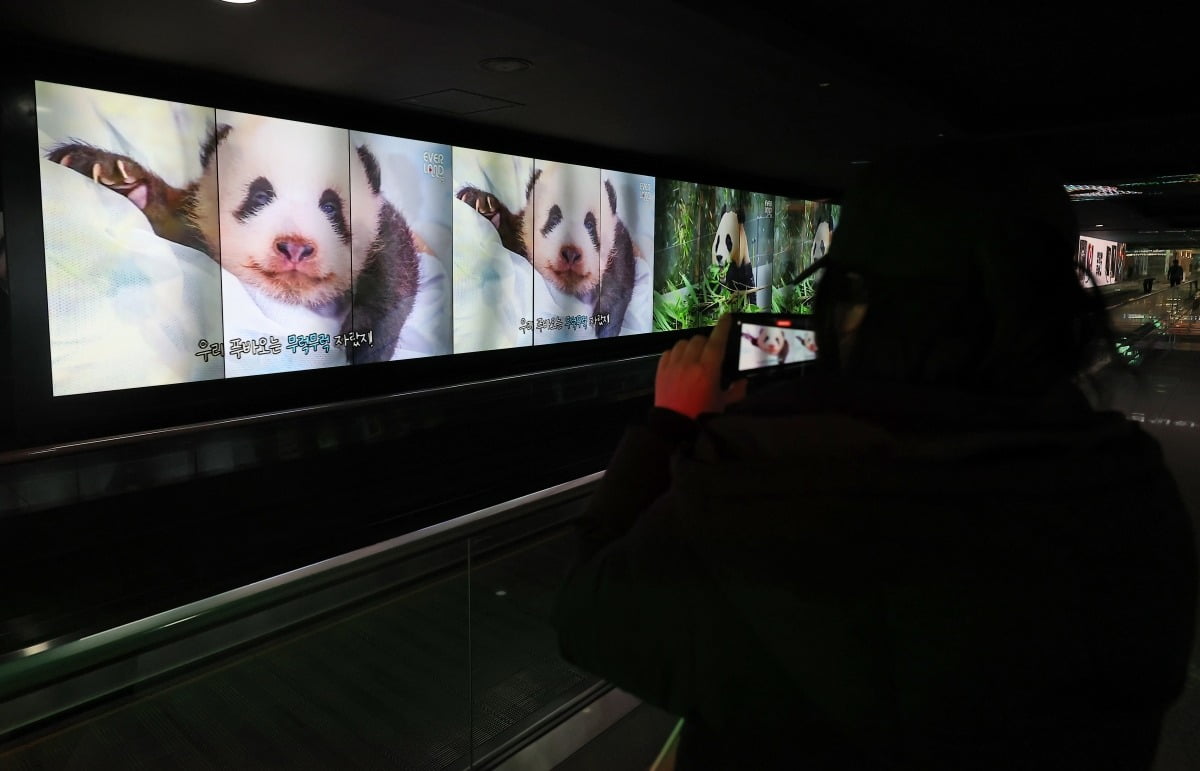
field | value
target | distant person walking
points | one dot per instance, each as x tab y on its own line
1175	273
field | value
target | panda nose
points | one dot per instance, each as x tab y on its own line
571	255
293	250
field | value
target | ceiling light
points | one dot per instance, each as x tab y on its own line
1099	226
239	2
505	64
824	85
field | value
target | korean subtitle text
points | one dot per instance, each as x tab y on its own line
208	349
354	339
308	343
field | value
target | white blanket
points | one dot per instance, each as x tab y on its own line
126	308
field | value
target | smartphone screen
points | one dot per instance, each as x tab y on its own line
765	343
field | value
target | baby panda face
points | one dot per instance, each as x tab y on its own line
283	193
561	227
729	244
771	340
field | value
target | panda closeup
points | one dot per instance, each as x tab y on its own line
574	239
730	248
772	344
284	229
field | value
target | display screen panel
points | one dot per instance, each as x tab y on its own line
127	307
411	213
188	243
720	250
548	252
803	234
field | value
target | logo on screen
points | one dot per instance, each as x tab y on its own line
435	165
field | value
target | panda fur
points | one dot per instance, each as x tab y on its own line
285	229
730	248
821	239
581	252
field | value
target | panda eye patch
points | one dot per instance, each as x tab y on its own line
259	193
331	206
552	219
589	222
728	242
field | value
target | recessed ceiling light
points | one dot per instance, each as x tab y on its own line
1099	226
505	64
239	2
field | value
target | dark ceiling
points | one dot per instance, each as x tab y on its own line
793	93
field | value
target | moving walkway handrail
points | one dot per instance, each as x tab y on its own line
64	448
204	628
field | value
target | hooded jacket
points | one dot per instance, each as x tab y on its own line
839	575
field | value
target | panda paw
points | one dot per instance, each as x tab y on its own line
116	172
483	202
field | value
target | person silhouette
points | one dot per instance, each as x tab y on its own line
891	562
1175	273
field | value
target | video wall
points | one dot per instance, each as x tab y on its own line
187	243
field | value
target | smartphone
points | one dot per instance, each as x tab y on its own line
765	344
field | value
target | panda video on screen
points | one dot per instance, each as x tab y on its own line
285	229
730	251
763	347
569	229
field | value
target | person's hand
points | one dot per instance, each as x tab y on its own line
689	374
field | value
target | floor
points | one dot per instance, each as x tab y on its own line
1165	397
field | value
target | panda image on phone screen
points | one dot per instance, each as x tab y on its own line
765	347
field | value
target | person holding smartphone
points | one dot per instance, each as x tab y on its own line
904	559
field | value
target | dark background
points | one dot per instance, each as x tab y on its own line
780	97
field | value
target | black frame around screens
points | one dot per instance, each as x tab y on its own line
38	417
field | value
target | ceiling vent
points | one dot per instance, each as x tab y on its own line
458	102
